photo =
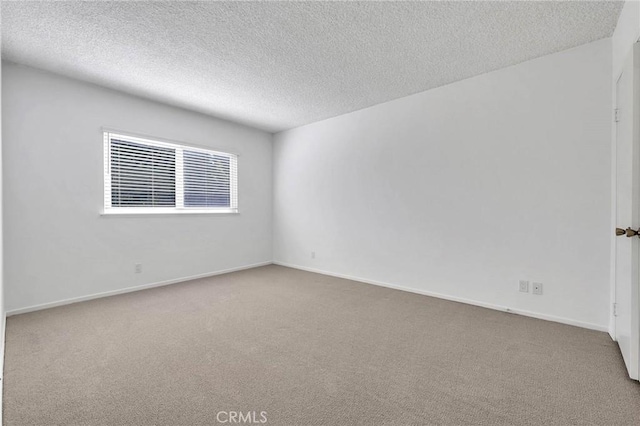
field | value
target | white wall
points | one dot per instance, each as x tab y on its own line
463	190
627	32
59	247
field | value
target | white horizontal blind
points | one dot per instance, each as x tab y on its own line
143	176
208	179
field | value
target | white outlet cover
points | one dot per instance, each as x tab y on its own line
524	286
537	288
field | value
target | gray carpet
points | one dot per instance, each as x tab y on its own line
308	350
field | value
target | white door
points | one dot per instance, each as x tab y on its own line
627	306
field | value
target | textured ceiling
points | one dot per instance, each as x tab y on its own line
278	65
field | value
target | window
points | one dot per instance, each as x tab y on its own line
146	176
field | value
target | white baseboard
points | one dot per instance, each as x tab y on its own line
130	289
537	315
546	317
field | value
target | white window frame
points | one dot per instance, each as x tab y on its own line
180	208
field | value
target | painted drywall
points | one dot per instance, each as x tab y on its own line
59	247
627	32
464	190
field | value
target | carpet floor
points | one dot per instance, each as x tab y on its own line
297	348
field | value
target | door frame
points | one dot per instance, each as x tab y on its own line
614	209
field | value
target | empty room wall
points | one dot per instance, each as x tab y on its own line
625	35
59	247
464	190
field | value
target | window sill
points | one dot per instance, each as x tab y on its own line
159	212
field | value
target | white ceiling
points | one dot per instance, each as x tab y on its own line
278	65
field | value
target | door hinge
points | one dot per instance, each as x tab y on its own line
616	115
615	309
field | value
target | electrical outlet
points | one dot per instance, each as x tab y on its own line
537	289
524	286
313	254
138	268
